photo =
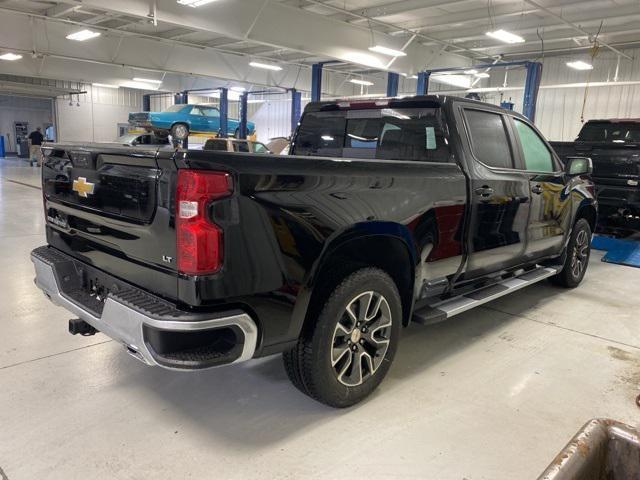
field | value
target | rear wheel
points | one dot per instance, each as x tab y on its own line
577	257
344	355
180	131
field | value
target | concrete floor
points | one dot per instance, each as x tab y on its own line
492	394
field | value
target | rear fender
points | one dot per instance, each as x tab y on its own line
399	253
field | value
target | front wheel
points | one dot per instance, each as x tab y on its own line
344	355
180	131
577	256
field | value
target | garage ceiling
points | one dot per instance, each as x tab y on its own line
217	39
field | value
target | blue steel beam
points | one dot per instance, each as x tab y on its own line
422	87
242	128
531	87
392	84
316	82
146	103
296	108
224	112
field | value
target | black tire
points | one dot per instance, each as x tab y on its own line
577	256
341	358
180	131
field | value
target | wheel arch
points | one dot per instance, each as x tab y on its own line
589	213
383	245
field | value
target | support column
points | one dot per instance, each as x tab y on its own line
531	87
296	108
224	112
243	115
146	102
423	83
316	82
181	98
392	84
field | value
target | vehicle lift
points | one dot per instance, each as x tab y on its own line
296	107
531	87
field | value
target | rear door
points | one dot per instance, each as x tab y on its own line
500	198
212	118
197	120
550	206
114	210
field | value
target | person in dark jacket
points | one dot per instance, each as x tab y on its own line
35	146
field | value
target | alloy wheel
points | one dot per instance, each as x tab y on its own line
361	338
580	254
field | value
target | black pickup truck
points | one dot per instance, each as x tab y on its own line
614	147
387	211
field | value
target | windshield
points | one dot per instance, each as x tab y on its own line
174	108
388	133
614	132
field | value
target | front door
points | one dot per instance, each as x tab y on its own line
500	197
550	207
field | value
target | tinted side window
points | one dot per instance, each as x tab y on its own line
212	144
241	147
489	140
536	154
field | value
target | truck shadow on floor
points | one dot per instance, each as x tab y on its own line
254	404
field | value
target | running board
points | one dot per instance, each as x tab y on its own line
444	309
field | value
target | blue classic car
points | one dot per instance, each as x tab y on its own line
182	120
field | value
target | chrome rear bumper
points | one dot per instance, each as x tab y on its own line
131	326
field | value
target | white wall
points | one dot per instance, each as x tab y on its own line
559	109
36	111
98	114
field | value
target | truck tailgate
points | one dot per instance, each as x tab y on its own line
114	210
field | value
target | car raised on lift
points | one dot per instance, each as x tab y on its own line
180	121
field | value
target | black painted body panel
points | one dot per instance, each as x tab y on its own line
288	214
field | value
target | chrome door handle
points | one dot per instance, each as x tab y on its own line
537	189
484	191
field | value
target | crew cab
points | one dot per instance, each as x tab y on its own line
614	147
387	211
180	121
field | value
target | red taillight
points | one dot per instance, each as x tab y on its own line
198	239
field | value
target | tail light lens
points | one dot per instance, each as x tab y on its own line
199	241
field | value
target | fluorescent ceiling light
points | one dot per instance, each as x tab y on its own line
195	3
146	80
327	138
456	80
238	89
105	85
473	71
266	66
580	65
10	56
140	85
482	75
388	51
83	35
506	37
361	82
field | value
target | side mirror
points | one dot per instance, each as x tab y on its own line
575	166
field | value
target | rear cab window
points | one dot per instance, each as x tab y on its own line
610	132
416	134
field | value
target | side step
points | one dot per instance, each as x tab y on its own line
444	309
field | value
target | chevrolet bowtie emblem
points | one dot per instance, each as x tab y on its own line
83	187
